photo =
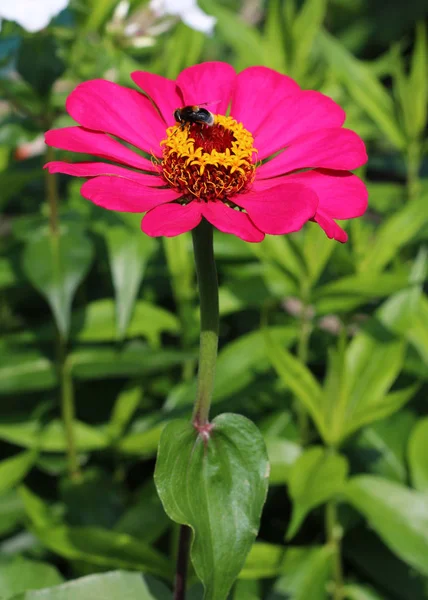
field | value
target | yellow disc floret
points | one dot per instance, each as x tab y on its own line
209	163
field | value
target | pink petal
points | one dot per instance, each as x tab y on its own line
209	82
228	220
171	219
124	195
259	94
334	148
281	209
164	93
341	194
78	139
331	228
92	169
300	114
106	106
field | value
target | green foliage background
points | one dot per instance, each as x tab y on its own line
324	346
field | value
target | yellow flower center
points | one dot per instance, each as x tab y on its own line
208	163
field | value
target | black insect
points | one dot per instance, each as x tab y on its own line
194	114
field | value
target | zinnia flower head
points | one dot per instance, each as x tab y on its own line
275	156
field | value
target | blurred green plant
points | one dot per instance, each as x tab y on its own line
325	347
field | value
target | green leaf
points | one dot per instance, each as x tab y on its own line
39	62
364	88
124	408
306	27
217	486
56	265
103	548
52	437
397	514
381	448
297	377
263	561
307	571
238	365
21	575
359	592
13	470
133	359
316	476
25	370
108	586
12	512
282	456
418	456
394	233
246	590
128	255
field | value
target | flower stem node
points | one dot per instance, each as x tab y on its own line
203	429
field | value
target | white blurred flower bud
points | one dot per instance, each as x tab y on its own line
32	15
188	11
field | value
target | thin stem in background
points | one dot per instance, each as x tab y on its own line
68	412
334	536
182	563
208	294
52	194
302	354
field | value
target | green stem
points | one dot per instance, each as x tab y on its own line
68	412
208	294
334	535
52	194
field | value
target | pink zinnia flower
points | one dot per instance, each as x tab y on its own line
279	159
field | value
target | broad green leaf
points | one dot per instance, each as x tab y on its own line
381	447
52	437
128	254
25	370
306	574
282	456
125	406
97	323
217	485
108	586
21	575
359	592
315	477
297	377
13	470
397	514
238	365
103	548
263	561
142	443
246	590
394	233
133	359
56	265
418	455
364	88
11	511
